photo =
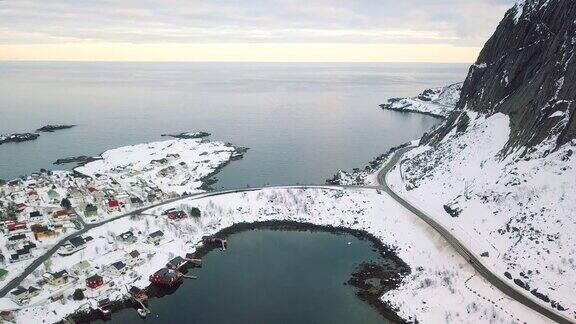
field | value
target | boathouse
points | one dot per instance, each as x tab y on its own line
176	263
166	277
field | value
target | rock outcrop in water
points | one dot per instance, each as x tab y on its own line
53	128
18	137
188	135
526	70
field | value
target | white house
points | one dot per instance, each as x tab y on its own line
81	268
21	294
134	258
116	269
56	278
155	238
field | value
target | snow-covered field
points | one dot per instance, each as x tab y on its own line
442	287
436	101
519	209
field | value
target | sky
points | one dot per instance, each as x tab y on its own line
248	30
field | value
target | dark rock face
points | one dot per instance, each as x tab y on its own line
527	70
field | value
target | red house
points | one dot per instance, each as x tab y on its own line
113	205
92	189
14	226
20	207
62	214
177	214
94	281
166	277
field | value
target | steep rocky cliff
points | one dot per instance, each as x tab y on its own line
527	70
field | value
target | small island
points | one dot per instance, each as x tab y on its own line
81	159
18	137
53	128
189	135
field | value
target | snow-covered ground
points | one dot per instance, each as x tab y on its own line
174	166
442	287
436	101
519	209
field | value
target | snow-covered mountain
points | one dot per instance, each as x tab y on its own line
501	171
437	102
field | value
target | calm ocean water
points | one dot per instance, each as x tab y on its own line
302	122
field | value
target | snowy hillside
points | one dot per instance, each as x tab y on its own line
437	102
519	209
501	171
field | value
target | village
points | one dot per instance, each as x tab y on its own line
47	208
95	271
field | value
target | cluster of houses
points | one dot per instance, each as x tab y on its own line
36	210
41	207
55	198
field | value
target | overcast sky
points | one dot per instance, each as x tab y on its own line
146	29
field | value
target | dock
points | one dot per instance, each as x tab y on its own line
192	261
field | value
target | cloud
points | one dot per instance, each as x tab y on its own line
460	22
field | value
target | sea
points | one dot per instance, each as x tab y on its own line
301	121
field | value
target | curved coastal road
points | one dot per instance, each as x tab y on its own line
506	287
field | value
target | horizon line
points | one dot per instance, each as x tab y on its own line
224	61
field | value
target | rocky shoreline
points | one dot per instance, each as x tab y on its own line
209	179
371	279
80	160
358	177
407	109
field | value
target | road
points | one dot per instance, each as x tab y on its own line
508	288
